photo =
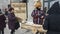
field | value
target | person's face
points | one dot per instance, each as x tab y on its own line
12	11
6	10
38	8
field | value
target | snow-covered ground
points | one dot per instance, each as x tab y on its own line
19	31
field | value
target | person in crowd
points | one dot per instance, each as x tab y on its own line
9	6
45	10
2	22
6	12
11	20
38	14
52	21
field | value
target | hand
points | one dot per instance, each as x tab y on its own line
47	14
42	16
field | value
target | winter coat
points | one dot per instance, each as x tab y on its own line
2	22
52	21
52	24
36	14
54	8
11	21
6	13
